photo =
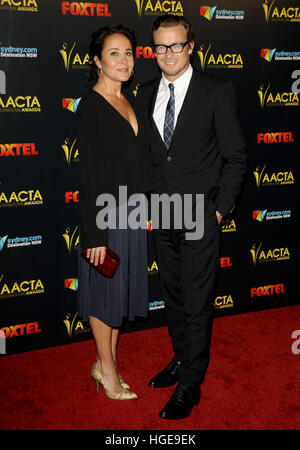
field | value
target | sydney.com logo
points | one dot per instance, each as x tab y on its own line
210	12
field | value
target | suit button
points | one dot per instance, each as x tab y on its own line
169	158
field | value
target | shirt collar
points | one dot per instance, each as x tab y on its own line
180	83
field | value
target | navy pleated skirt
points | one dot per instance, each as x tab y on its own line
126	293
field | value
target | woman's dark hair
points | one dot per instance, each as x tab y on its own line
170	20
97	42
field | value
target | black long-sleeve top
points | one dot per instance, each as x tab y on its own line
110	156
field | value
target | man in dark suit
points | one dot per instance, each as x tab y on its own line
196	146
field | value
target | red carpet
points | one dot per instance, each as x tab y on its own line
253	381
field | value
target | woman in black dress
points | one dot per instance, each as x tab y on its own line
113	153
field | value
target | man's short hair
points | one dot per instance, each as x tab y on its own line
170	20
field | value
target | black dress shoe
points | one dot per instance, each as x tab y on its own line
168	376
181	403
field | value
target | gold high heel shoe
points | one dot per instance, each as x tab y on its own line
123	395
123	383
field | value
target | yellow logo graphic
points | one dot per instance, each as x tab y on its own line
17	289
20	104
72	240
74	326
139	6
77	62
271	255
21	198
153	269
158	7
267	98
267	9
220	61
70	153
203	55
228	226
258	173
290	14
263	178
135	91
66	56
262	92
224	301
19	5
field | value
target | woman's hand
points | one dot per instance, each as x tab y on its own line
95	254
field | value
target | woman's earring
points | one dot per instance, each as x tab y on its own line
132	72
98	71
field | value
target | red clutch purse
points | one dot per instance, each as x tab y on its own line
110	264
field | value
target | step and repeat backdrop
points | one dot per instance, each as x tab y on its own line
43	75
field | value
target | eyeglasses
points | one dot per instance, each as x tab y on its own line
175	48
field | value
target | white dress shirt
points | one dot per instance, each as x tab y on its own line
180	88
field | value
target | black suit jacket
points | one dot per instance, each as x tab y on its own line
207	154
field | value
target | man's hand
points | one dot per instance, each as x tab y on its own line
95	254
219	217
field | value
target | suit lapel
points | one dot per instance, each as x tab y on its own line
187	106
150	114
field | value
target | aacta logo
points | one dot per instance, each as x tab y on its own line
260	255
71	104
263	178
267	98
228	226
224	301
20	104
271	289
277	137
16	289
26	149
19	5
272	13
71	151
85	9
71	196
75	326
219	61
21	198
73	60
153	269
21	330
71	238
159	7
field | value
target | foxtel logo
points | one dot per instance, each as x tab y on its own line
225	262
271	289
145	52
26	149
277	137
72	197
85	9
21	330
